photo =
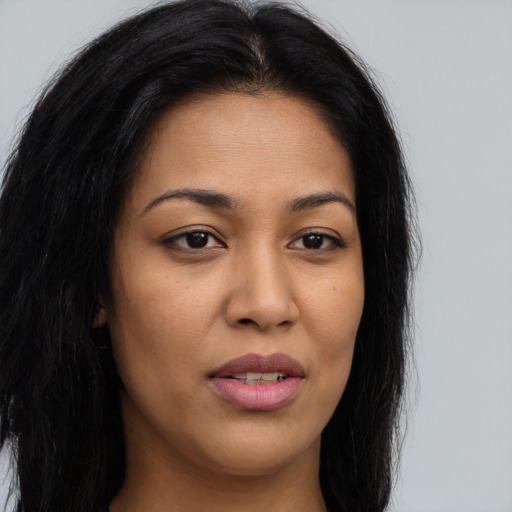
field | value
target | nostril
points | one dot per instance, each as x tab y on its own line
245	321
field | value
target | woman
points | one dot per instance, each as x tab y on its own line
205	253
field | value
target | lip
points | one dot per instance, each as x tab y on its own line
266	397
262	364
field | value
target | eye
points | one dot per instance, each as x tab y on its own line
317	242
193	240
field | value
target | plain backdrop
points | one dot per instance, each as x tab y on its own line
446	68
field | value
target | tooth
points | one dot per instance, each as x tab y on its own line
255	378
269	376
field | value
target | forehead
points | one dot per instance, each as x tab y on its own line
242	144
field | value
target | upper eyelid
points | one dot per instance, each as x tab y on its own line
336	240
328	233
193	229
169	241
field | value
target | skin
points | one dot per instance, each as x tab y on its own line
178	313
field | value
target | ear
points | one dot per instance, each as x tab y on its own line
100	318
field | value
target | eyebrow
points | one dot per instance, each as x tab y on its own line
218	200
318	199
205	197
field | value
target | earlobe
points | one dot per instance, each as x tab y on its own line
101	317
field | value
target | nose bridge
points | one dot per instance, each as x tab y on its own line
263	291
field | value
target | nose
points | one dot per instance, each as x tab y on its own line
261	294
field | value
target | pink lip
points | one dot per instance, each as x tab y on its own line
263	364
267	397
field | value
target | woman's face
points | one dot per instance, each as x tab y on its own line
237	285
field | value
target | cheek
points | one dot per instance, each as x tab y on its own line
159	328
156	337
335	311
161	311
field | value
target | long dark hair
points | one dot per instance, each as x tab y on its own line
62	188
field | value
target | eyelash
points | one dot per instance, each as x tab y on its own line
172	242
335	242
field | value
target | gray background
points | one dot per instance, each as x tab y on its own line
446	67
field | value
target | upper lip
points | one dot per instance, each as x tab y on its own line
261	364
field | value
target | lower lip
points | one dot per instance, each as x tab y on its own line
261	397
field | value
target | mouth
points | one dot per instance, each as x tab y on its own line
260	383
258	379
253	367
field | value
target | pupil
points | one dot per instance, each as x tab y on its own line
197	240
313	241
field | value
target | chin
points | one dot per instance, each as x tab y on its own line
260	455
255	467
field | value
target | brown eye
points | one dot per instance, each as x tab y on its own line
193	240
197	240
313	241
318	242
